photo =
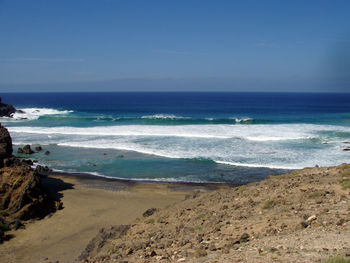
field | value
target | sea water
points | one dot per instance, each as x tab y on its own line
188	137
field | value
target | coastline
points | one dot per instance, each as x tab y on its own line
89	204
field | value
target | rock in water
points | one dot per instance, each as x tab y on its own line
5	145
6	110
38	148
27	149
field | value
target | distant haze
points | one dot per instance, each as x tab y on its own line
193	45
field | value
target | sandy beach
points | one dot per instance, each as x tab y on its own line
90	204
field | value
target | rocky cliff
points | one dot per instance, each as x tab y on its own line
6	110
22	195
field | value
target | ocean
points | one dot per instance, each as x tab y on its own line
182	137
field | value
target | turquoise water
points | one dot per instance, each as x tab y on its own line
192	137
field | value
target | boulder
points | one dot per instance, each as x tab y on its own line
27	149
47	153
38	148
149	212
43	170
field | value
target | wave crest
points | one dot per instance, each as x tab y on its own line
36	113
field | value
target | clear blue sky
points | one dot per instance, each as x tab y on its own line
111	45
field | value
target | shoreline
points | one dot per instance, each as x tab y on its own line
85	176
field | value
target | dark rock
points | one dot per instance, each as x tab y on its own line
304	224
200	238
242	239
6	110
43	169
38	148
149	212
17	225
5	144
19	150
47	152
27	149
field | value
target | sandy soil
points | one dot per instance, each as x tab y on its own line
89	204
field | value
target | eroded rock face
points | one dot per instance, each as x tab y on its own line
6	110
21	193
5	144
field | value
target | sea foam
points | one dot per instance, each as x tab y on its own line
36	113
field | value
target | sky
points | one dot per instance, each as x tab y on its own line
191	45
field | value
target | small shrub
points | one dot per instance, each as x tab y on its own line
269	204
150	221
201	216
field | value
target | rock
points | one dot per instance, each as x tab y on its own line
47	153
27	149
184	242
129	251
19	150
149	212
304	224
5	144
244	238
38	148
341	222
346	149
11	162
6	110
43	169
22	195
311	218
17	225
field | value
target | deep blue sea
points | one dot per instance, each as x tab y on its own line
189	137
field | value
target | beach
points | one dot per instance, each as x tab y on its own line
89	205
298	217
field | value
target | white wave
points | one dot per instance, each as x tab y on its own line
164	116
260	165
35	113
258	133
285	146
242	120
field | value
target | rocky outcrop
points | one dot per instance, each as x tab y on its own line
5	145
22	195
6	110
